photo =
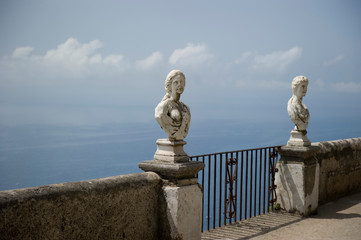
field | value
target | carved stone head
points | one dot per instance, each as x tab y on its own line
175	83
299	86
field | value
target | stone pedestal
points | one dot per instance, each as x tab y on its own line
181	200
184	212
299	139
171	151
298	179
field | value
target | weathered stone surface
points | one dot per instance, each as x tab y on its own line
340	168
297	187
298	154
171	151
172	171
335	168
298	179
299	138
123	207
184	212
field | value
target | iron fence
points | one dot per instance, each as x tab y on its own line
237	185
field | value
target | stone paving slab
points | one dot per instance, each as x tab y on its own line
252	227
340	219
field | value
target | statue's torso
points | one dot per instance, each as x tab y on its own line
174	118
298	113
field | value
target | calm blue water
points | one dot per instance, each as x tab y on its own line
33	155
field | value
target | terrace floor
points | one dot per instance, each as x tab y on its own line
339	219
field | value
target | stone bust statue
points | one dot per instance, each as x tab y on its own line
172	115
297	111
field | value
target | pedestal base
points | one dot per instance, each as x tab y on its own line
171	151
183	212
299	138
181	201
298	179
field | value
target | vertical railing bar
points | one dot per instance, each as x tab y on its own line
203	195
273	166
236	188
225	192
268	187
259	182
209	190
220	192
229	178
276	169
230	165
270	182
241	188
233	177
245	208
232	197
255	184
250	187
230	187
214	191
230	190
271	179
264	180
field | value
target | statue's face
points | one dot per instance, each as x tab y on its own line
301	90
178	84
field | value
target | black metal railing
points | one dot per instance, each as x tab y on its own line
237	185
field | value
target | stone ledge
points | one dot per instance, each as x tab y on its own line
298	154
169	170
10	197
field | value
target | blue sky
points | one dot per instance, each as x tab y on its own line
99	62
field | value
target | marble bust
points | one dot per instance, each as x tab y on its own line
298	112
173	115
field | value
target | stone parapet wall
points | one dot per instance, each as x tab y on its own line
340	168
122	207
142	206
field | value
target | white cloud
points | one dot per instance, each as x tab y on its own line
114	60
22	52
191	55
73	51
243	58
348	87
333	61
150	62
96	59
81	57
69	60
276	61
251	68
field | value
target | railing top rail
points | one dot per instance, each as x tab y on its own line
242	150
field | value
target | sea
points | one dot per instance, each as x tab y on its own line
34	155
